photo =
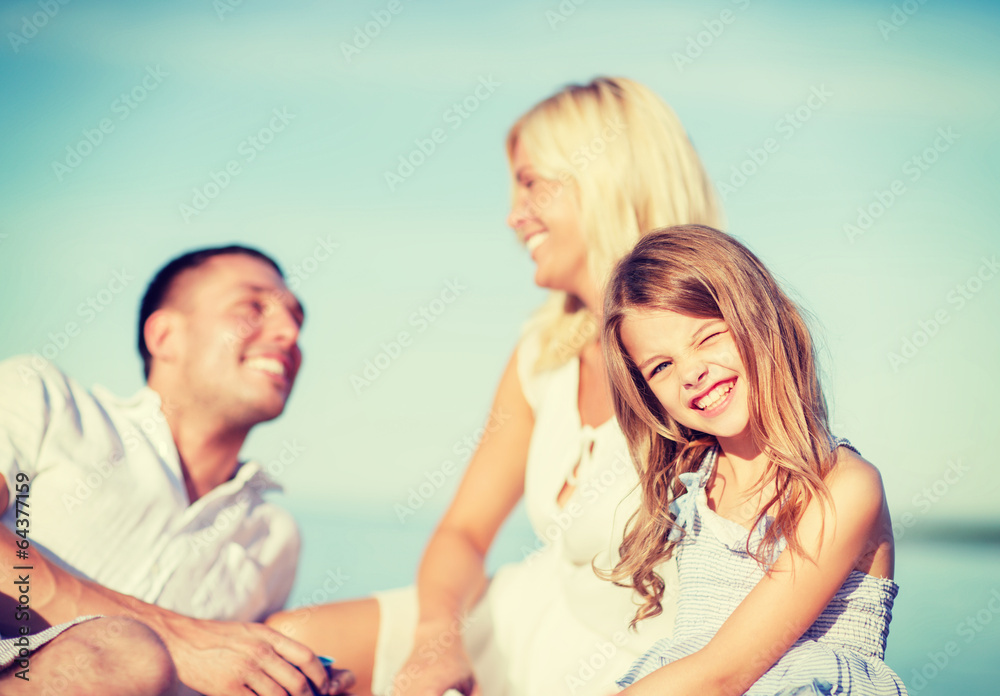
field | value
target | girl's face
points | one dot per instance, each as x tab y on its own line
546	217
694	369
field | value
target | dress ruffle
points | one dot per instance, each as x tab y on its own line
841	653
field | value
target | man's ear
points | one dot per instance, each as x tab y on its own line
162	334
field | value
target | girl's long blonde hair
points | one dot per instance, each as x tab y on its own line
701	272
633	169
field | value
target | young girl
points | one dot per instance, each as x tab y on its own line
782	535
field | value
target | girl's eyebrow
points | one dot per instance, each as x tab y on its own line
705	328
658	356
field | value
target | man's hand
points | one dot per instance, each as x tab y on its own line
219	658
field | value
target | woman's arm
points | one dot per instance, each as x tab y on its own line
787	601
451	575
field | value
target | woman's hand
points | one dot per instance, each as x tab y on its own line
452	578
437	663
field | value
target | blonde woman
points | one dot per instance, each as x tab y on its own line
594	167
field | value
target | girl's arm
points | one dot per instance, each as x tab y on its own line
451	574
787	601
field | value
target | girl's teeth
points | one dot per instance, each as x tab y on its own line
714	397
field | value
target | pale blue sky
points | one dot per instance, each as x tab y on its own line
212	83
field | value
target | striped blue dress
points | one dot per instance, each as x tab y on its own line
841	653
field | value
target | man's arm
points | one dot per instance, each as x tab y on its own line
212	657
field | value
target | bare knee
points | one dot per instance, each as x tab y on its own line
127	657
112	656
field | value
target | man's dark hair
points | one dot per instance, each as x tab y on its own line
160	286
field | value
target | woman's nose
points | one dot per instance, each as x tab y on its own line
518	211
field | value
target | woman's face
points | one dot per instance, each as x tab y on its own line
546	217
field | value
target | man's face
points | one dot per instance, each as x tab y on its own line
236	338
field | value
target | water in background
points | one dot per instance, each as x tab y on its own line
945	632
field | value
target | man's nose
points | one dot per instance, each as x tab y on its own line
282	324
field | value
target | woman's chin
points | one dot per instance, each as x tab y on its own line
544	278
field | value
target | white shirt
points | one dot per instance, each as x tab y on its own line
108	502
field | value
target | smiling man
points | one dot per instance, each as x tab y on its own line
140	506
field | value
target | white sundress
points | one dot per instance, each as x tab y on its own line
548	624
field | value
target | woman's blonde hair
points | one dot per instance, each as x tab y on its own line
633	169
701	272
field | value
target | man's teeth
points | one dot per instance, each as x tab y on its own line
714	397
535	240
275	367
